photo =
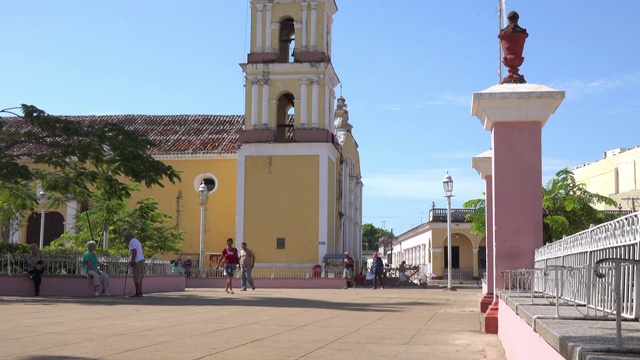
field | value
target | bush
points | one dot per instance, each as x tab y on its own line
11	248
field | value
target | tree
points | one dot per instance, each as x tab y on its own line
15	200
71	159
567	208
371	235
147	223
75	158
477	219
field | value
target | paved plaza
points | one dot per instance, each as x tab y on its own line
395	323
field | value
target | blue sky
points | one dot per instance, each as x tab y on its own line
408	69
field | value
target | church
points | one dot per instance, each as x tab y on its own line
284	177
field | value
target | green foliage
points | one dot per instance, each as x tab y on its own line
477	219
9	248
568	207
147	223
371	235
79	158
16	199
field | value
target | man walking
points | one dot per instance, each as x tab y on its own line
137	262
247	261
378	268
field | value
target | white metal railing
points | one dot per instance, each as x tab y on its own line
617	239
263	271
598	290
458	273
70	264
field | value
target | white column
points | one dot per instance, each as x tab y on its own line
314	102
332	109
327	111
314	11
303	36
259	27
296	113
70	219
326	28
304	83
268	27
15	236
254	102
329	37
265	103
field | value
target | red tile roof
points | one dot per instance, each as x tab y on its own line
172	134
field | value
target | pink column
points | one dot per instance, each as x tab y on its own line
483	163
515	114
517	194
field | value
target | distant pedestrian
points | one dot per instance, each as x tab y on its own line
348	271
91	263
35	263
378	269
247	261
137	262
230	259
402	269
187	264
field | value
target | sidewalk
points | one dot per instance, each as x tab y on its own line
405	323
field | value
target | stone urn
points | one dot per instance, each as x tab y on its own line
512	38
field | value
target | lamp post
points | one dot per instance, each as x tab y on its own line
43	204
202	193
447	184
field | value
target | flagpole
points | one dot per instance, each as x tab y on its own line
501	4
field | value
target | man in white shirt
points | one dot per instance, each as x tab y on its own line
137	262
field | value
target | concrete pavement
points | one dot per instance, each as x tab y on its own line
394	323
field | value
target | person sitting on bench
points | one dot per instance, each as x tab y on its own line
90	260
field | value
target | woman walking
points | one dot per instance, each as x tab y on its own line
230	259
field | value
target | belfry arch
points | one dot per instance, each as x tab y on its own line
286	40
285	118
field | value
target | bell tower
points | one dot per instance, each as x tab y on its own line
288	158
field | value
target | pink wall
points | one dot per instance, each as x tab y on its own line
517	194
72	285
519	340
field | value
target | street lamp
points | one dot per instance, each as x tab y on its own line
203	192
447	184
43	204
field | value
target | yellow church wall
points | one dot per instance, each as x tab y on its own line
182	202
293	180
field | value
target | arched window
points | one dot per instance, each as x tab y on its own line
284	118
286	40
